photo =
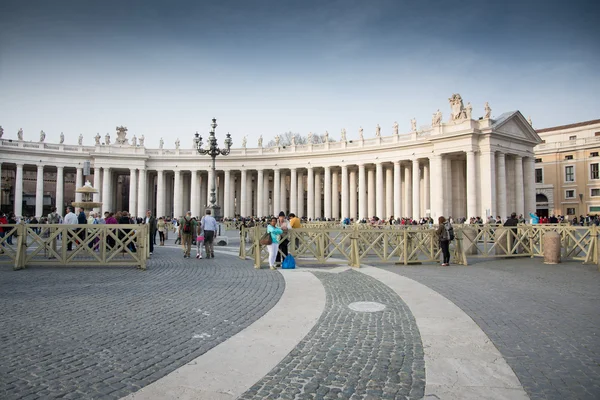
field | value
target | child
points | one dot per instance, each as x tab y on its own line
199	241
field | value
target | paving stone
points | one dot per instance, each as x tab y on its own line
95	332
543	318
379	345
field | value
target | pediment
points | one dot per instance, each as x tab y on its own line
516	126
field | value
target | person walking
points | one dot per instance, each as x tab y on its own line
186	230
285	226
151	223
70	219
443	235
199	241
161	227
209	224
273	248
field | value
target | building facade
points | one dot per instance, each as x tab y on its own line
567	173
461	168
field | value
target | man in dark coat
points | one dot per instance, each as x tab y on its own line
151	222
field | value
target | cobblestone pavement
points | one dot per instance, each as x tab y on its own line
350	354
544	319
94	333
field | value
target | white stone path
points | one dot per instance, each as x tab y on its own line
461	362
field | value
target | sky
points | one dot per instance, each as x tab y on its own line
165	69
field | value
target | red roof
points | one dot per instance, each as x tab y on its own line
557	128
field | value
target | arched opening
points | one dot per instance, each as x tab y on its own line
541	201
541	198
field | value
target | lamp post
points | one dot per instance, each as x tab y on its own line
213	151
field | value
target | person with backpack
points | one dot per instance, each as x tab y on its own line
187	228
445	234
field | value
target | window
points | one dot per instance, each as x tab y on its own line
594	154
569	157
570	211
594	172
570	194
569	174
538	160
595	193
572	137
539	175
595	209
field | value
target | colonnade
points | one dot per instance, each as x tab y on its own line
458	184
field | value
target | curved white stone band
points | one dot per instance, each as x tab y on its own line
232	367
461	362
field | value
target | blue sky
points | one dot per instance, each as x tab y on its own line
164	69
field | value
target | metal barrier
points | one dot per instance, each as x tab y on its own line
358	244
65	245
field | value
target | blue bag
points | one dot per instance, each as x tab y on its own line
289	262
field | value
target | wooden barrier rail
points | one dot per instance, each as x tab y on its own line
416	244
65	245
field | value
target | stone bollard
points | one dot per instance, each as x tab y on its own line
551	248
469	235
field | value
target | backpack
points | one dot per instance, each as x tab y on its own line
187	225
448	231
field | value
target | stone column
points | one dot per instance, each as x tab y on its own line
227	195
362	192
488	183
397	189
39	192
416	192
132	191
294	192
60	190
437	195
19	191
300	210
244	212
276	191
345	211
389	192
335	195
471	185
310	199
283	195
177	195
426	187
529	183
96	196
327	189
266	183
408	210
501	184
106	193
353	200
447	186
79	183
371	210
160	193
142	191
318	213
519	187
379	188
260	194
194	193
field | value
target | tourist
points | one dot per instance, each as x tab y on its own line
199	241
110	220
186	230
209	225
283	246
161	227
70	219
151	222
534	218
273	248
124	236
444	239
3	221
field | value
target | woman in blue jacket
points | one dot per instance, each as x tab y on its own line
273	248
534	219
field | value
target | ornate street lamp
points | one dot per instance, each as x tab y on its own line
213	151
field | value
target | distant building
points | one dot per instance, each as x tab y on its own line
567	169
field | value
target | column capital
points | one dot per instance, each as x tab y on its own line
517	157
397	162
501	154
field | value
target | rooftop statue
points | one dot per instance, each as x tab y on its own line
377	130
121	135
277	140
437	118
293	140
1	132
469	110
42	136
488	110
360	133
177	144
528	120
343	136
161	144
80	140
326	137
20	134
310	138
97	138
62	138
134	141
260	140
395	127
142	139
413	125
107	138
457	107
244	141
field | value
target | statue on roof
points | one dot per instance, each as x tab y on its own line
260	141
62	138
293	140
360	133
42	136
80	140
488	110
277	140
413	125
469	110
107	138
134	141
530	121
457	107
161	144
244	141
326	138
343	136
437	118
97	138
310	138
177	144
377	130
20	134
142	139
1	132
122	135
395	127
